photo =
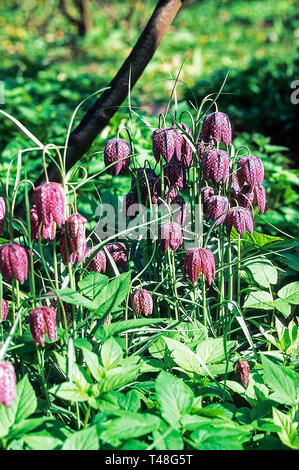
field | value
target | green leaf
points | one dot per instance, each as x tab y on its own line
92	285
115	379
290	293
212	350
263	271
289	432
174	396
131	426
282	306
113	294
70	391
73	297
23	405
42	441
93	364
183	356
259	299
83	440
111	353
116	328
283	381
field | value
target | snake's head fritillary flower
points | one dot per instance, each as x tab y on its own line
166	144
142	302
197	261
67	249
75	227
250	170
252	194
50	203
215	166
175	174
183	131
8	383
216	208
179	209
68	308
130	206
171	236
206	193
202	147
4	310
242	370
42	320
2	214
14	262
46	231
98	262
217	125
117	152
240	218
118	251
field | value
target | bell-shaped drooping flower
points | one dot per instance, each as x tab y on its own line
118	251
179	209
215	166
242	371
47	232
131	206
217	125
166	144
240	218
42	320
252	194
68	308
75	227
216	208
2	214
197	261
250	170
8	383
68	250
184	131
206	193
117	151
142	302
14	262
171	236
98	262
175	174
50	203
4	310
203	147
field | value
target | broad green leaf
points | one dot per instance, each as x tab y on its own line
167	439
92	285
283	307
283	381
113	294
93	364
183	356
79	375
263	271
208	437
25	426
174	396
86	439
289	429
132	401
73	297
42	441
259	299
70	391
290	293
111	353
23	405
212	350
115	379
131	426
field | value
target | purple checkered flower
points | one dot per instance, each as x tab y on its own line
42	320
50	203
250	170
142	302
8	383
240	218
252	194
206	193
2	214
171	236
166	144
117	151
215	166
217	207
242	370
179	208
13	262
175	174
197	261
217	125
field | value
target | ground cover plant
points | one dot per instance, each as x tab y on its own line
166	321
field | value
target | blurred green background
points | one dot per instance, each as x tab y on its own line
49	63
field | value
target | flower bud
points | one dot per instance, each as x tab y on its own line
13	262
42	320
242	370
217	125
142	302
199	260
7	383
171	236
117	151
50	203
